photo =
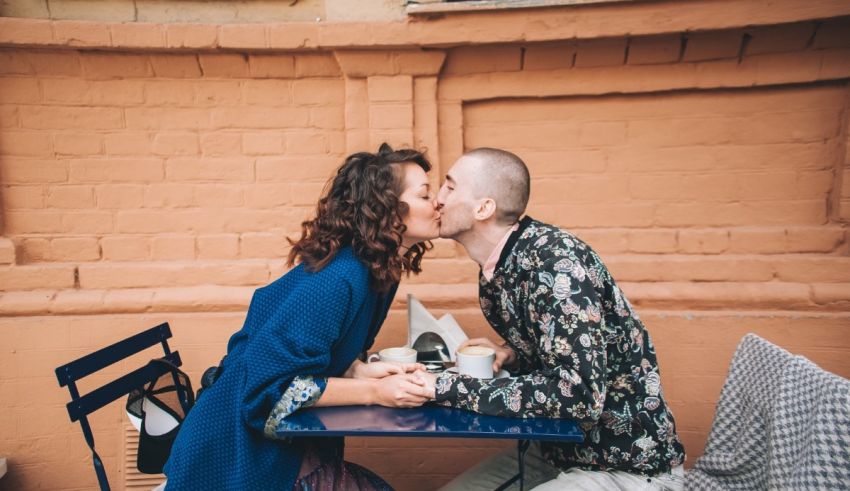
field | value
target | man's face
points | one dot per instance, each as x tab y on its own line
456	200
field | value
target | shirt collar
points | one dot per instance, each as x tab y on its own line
490	264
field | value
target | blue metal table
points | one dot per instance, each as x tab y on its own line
427	421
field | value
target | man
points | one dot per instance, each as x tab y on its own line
572	342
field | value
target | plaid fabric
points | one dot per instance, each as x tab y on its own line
781	423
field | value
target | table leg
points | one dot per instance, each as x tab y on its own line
522	447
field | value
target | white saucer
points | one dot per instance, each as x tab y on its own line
502	373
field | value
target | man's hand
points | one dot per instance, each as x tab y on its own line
380	369
429	382
403	390
504	355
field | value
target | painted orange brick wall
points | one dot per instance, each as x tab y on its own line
143	185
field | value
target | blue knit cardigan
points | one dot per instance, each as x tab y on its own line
303	324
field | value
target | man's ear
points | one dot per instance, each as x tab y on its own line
486	208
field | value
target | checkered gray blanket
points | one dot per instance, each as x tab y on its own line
781	423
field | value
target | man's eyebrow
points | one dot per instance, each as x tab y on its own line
426	184
449	178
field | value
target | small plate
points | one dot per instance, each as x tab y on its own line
502	373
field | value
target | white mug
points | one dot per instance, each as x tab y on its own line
476	361
399	354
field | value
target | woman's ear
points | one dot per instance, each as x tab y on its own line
485	209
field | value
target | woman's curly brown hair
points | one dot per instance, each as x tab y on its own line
362	209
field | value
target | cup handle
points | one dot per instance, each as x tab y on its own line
373	357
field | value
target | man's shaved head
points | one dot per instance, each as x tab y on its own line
504	178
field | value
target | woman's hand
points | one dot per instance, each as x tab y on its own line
380	369
504	355
403	390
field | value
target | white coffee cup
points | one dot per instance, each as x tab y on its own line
476	361
399	354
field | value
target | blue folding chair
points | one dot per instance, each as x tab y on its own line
82	406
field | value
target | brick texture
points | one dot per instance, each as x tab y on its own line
160	178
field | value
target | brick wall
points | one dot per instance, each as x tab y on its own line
150	183
207	12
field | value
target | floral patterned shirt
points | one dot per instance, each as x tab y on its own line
582	353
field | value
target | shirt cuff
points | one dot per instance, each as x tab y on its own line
302	392
451	389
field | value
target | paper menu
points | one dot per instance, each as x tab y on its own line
419	321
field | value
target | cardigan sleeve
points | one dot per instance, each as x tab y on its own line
303	391
569	382
295	337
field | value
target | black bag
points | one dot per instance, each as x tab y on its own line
209	377
172	394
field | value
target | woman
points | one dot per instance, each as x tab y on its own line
303	334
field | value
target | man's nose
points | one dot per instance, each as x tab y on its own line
438	197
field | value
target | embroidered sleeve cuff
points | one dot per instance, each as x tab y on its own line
302	392
443	388
457	391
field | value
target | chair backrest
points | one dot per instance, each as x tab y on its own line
734	454
81	406
781	422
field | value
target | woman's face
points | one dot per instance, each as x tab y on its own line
422	219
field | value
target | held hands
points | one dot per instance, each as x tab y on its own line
402	390
505	356
380	369
394	384
429	382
